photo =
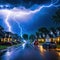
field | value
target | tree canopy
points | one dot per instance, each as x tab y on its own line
56	16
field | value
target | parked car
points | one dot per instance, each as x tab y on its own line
49	45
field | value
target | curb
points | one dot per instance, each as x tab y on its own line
3	51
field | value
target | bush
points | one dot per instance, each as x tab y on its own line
6	43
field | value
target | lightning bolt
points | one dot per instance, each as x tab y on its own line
19	27
9	26
7	23
21	13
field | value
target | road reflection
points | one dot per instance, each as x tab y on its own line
41	50
58	53
49	54
31	53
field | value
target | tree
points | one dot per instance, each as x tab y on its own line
32	37
53	32
52	29
25	36
58	28
37	35
1	28
1	32
56	16
44	31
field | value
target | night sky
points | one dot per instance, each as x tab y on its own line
31	22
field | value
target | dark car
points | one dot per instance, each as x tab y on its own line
49	45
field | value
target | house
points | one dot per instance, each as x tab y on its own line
41	38
58	36
1	36
8	37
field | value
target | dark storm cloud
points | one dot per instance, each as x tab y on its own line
32	2
25	2
37	1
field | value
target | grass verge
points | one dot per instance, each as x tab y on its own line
3	47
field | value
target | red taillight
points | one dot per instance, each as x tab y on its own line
36	43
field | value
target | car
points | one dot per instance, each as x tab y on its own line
36	42
49	45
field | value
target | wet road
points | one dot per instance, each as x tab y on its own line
30	53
